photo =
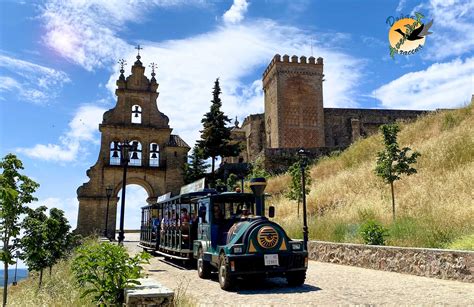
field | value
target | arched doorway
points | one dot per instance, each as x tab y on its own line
135	198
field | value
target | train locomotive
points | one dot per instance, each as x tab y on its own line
226	232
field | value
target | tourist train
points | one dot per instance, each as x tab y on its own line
226	232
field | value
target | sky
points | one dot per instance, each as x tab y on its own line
58	67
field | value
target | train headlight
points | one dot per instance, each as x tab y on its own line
296	246
237	249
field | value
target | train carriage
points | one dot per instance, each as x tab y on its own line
224	232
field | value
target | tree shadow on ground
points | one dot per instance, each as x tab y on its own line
267	286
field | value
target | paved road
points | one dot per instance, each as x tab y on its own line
326	284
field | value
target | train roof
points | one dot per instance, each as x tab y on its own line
183	198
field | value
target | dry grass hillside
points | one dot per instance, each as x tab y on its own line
434	208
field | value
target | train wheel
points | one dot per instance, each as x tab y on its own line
296	278
225	280
203	267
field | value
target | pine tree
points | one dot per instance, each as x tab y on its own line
215	135
196	167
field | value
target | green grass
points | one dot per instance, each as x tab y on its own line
463	243
434	208
59	289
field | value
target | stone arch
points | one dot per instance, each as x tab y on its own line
152	194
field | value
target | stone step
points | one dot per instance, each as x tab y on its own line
148	293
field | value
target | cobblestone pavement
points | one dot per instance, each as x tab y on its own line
326	284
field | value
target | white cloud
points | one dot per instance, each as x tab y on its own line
70	206
236	12
442	85
32	82
84	32
188	67
453	29
401	5
82	128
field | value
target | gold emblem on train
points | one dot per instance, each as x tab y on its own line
267	237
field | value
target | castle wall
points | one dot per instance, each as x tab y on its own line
344	126
254	128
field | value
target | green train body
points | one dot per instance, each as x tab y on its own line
213	230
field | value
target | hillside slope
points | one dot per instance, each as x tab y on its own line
434	207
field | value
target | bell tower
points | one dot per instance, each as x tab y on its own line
156	156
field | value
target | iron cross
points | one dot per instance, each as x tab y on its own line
139	48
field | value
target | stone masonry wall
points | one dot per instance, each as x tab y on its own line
443	264
278	160
340	124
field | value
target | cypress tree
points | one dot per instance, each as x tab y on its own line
196	167
215	135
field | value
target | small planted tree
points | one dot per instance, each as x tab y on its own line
58	237
46	239
34	241
392	161
16	190
196	168
104	270
295	191
215	135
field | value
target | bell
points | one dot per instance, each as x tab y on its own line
136	114
134	156
154	156
154	147
115	154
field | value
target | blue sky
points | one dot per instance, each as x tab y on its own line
58	66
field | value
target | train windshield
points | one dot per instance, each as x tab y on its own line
232	210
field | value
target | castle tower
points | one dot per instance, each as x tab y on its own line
156	161
294	114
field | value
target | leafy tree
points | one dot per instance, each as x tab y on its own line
215	135
196	168
58	237
46	239
16	190
258	169
392	161
104	270
232	182
295	191
34	241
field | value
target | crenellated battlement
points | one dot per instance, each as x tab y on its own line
286	59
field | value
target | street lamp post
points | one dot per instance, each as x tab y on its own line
125	158
16	268
303	155
108	192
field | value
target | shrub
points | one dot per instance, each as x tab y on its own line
104	270
373	233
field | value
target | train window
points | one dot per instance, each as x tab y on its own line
233	210
203	212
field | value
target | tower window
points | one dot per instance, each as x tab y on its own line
114	153
154	155
135	154
136	114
